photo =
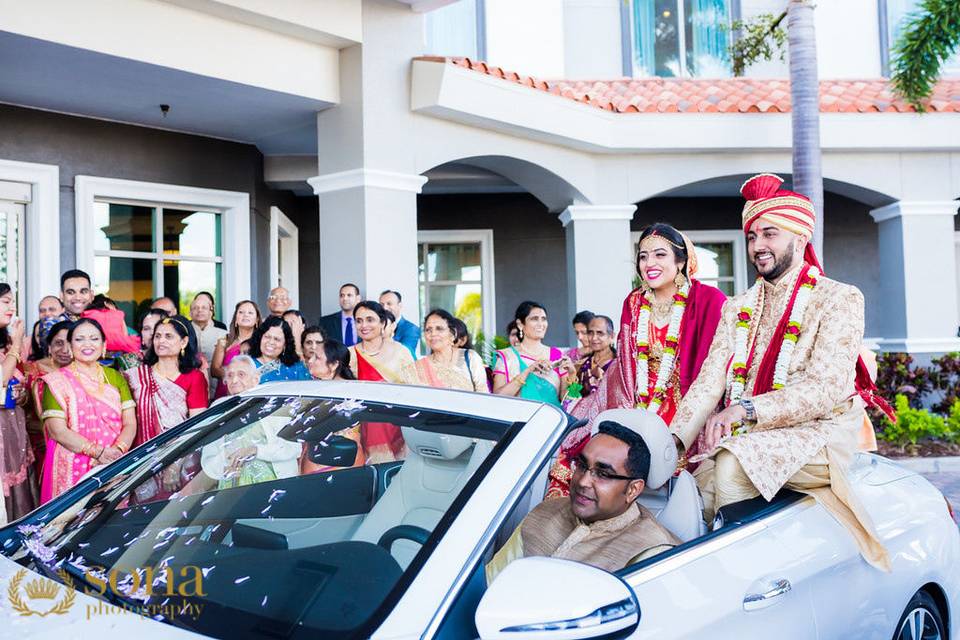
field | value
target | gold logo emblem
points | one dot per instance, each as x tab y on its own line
39	590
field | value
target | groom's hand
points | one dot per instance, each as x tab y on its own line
720	425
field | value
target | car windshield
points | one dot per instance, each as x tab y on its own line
277	516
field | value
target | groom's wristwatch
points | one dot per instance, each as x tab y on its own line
747	405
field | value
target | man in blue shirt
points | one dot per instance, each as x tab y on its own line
406	333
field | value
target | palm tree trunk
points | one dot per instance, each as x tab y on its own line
805	114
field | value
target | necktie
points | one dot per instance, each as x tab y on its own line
348	338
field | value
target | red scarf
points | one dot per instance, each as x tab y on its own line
863	383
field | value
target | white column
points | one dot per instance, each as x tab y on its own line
599	257
368	234
918	276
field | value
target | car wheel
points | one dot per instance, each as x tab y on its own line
920	620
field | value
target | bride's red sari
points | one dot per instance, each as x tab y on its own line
618	389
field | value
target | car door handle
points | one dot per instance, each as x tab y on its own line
756	601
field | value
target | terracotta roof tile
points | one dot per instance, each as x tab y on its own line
725	95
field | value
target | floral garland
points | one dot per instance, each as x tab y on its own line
791	335
669	359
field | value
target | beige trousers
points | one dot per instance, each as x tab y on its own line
724	482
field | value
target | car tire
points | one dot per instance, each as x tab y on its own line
921	620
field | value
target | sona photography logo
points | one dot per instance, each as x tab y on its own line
43	597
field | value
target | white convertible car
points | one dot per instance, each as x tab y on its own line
259	518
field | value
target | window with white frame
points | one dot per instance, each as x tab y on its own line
457	30
456	274
893	18
678	38
141	240
721	258
147	250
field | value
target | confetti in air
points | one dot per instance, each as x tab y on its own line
241	580
348	407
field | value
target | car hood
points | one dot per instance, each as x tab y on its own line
84	616
874	470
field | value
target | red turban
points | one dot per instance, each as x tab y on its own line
788	210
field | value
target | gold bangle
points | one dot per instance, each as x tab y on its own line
120	447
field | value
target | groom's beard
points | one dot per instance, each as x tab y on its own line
781	263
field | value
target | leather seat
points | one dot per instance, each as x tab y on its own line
674	501
434	472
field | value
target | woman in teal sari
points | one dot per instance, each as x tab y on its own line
531	370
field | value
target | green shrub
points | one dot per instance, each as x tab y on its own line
914	425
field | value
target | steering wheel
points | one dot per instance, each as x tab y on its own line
403	532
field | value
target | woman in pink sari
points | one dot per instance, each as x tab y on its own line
87	414
666	327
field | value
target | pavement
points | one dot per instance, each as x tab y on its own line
943	473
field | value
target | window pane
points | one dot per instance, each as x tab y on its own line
453	262
191	233
182	280
707	38
128	281
462	300
123	227
10	214
452	30
897	13
714	260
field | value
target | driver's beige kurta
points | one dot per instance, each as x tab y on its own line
816	416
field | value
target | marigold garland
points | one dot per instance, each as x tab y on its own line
645	399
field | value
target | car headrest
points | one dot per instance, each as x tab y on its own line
439	446
656	435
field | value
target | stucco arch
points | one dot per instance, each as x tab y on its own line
551	189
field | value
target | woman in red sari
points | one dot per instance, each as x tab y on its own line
666	327
378	358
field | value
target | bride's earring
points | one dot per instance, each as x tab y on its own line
679	280
644	286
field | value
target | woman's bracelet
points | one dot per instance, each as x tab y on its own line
120	447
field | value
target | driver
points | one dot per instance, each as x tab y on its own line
600	523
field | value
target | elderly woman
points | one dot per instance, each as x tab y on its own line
598	359
255	453
273	349
447	366
242	375
169	386
88	412
246	319
531	370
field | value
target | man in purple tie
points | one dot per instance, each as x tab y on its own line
339	325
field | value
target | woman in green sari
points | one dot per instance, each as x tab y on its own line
531	370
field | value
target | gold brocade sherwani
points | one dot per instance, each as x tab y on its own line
814	420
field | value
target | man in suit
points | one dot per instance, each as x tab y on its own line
339	325
406	332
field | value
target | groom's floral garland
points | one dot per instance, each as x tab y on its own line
808	280
669	359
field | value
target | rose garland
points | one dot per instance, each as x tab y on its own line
738	370
644	398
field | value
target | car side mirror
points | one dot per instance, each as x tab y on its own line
334	451
521	603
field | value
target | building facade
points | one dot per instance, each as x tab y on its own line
469	154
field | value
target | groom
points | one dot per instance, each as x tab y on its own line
784	364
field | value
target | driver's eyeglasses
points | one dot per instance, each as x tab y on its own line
579	465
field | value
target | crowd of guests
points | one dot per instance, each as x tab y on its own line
84	388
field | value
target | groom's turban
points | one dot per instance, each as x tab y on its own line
785	209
